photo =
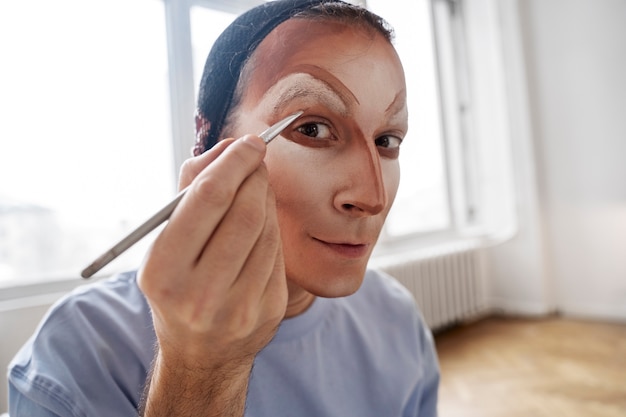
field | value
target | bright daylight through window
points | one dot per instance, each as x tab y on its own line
422	201
85	153
86	149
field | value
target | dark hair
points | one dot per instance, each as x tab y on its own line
350	15
220	87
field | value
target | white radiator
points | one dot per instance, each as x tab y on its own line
448	282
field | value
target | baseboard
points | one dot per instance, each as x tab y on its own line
520	307
612	313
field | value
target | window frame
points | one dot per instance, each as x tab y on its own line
469	43
180	60
455	120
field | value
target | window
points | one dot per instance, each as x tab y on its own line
97	115
85	153
206	26
422	201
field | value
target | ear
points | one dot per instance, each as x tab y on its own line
202	131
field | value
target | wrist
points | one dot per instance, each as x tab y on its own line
178	386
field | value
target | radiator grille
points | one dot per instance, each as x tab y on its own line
447	283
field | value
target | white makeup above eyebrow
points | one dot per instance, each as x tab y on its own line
304	87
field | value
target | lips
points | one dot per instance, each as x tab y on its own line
347	250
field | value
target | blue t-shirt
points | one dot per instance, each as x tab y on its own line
368	354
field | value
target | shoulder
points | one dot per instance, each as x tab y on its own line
378	281
120	287
98	332
396	304
107	307
384	300
381	304
110	312
382	290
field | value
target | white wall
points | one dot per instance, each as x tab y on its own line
577	66
570	253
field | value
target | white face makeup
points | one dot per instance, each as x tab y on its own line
308	91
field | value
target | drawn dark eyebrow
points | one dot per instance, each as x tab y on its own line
396	111
399	101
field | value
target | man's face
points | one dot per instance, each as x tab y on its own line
335	170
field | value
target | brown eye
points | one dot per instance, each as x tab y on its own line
388	141
315	130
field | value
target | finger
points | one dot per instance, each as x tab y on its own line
239	231
260	263
264	277
257	300
275	296
193	166
207	200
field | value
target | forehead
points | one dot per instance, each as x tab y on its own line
333	47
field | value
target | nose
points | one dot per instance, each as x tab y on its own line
362	190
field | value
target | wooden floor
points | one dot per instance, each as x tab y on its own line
533	368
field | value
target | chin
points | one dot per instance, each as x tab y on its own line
331	284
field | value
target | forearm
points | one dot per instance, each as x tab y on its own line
176	388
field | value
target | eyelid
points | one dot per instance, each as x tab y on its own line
313	119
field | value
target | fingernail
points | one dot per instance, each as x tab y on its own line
254	142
